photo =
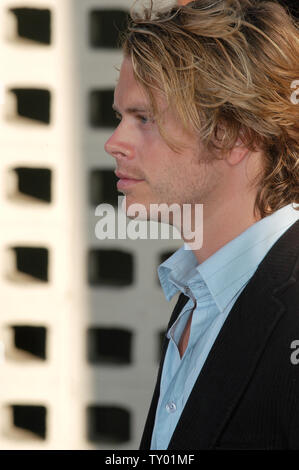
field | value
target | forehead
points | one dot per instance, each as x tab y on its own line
128	91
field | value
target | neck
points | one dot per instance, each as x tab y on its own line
220	223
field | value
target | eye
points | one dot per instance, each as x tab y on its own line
144	119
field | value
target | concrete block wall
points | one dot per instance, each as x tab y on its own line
81	318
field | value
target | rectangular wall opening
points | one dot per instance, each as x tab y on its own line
108	424
30	418
28	264
109	346
30	340
33	24
102	187
110	268
30	184
32	103
101	113
105	26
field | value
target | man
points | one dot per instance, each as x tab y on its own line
207	117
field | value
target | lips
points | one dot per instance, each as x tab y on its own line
125	176
126	181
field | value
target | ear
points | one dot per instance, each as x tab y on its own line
238	153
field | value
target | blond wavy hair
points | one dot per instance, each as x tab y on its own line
226	65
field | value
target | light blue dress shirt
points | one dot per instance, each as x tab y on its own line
212	287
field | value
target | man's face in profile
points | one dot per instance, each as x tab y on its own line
141	153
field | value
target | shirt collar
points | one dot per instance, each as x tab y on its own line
175	272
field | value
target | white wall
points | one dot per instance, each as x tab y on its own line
65	382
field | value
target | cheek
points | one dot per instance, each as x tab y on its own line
153	156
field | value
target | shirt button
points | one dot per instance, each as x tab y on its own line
171	407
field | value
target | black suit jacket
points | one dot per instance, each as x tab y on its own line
247	393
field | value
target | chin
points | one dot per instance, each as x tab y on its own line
139	212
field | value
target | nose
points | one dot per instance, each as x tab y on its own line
117	147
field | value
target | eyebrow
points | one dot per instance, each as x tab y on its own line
132	110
